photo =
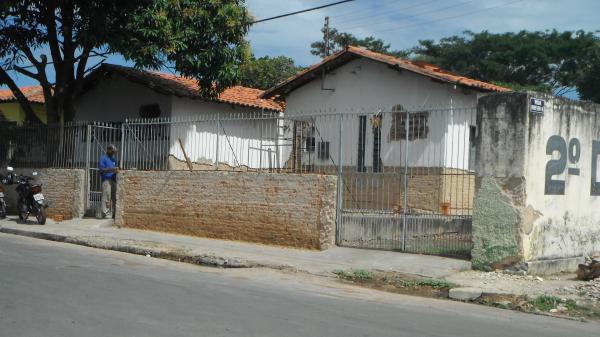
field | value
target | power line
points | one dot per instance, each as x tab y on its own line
387	12
361	11
257	21
447	17
302	11
420	13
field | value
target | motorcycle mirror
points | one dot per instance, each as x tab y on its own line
34	173
10	168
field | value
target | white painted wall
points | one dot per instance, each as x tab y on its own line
363	87
565	225
237	137
241	140
116	98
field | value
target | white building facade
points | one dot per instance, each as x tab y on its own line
166	117
373	92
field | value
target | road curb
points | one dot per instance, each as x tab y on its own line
36	235
142	248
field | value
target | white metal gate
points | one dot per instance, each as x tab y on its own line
410	184
99	136
406	180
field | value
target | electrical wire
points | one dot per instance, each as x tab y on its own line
257	21
362	11
447	18
413	15
388	12
302	11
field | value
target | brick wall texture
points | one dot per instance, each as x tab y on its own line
293	210
428	188
64	189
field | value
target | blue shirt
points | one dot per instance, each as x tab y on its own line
107	162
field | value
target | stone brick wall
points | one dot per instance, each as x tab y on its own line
64	189
296	210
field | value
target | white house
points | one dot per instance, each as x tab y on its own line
352	108
372	89
237	129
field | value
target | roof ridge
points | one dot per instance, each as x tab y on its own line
172	84
162	73
433	71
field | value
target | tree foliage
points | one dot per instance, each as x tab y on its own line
554	61
588	86
551	61
340	40
200	39
265	72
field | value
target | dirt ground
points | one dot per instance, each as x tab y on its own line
503	283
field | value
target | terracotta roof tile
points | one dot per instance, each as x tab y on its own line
352	52
186	87
33	93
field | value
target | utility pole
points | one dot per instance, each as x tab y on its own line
326	36
325	50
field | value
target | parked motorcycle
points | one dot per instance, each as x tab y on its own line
30	199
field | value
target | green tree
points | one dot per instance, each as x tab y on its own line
340	40
200	39
265	72
552	61
588	86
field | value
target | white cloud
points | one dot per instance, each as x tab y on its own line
290	36
403	23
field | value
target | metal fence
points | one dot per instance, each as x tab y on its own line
406	178
225	141
42	146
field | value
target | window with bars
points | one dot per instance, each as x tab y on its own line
309	141
310	144
417	125
149	111
323	150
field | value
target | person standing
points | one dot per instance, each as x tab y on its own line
108	178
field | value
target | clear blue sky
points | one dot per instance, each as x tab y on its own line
403	22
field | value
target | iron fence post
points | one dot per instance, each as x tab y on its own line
217	145
405	204
260	147
88	149
340	198
122	157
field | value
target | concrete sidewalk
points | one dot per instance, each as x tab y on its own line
102	234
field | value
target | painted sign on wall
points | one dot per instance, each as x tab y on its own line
569	161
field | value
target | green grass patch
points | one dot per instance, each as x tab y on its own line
363	275
546	303
356	275
343	274
428	282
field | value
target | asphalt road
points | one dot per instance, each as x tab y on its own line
51	289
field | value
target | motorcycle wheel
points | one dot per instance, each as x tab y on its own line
41	216
22	213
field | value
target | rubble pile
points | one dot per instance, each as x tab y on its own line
589	270
590	290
